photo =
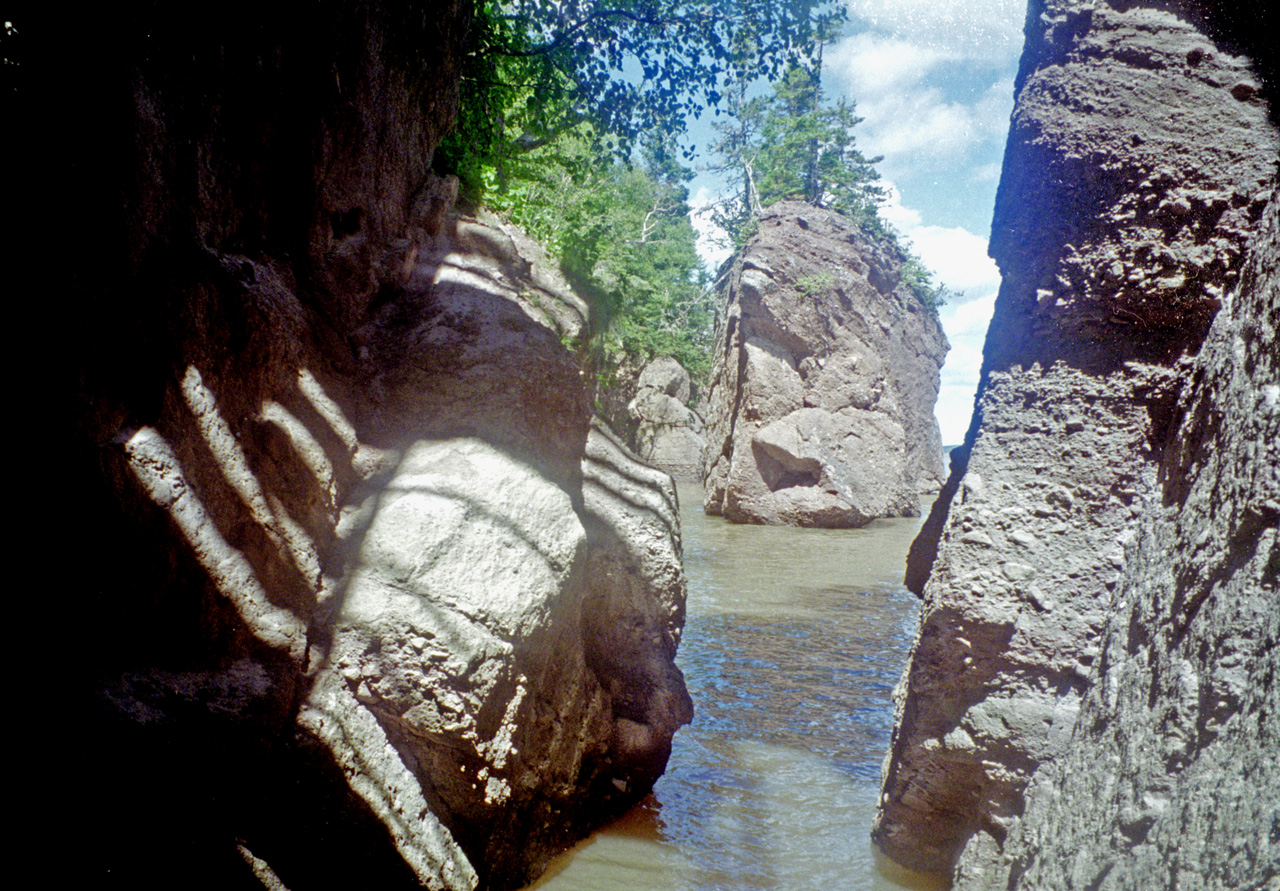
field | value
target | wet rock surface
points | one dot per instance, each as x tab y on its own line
1049	695
820	407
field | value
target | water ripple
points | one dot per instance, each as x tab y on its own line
793	644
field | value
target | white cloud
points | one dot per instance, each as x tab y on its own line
712	242
985	174
897	215
970	319
958	257
932	80
964	362
953	411
875	66
966	328
897	86
918	122
971	27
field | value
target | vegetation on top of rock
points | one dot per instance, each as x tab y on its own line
559	109
791	144
568	122
920	280
624	239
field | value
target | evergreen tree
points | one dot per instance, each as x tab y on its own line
550	114
792	144
739	148
808	150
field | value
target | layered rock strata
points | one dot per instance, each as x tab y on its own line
668	433
1093	626
820	407
1172	775
366	599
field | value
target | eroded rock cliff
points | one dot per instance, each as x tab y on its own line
366	598
820	407
1171	778
1093	627
668	433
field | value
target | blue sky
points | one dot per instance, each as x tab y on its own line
933	82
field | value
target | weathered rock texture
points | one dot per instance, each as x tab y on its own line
1107	536
820	408
668	433
365	599
1172	776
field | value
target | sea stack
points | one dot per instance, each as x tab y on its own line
820	407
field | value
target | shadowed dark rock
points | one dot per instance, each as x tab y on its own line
354	586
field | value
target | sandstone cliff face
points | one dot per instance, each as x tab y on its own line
1139	166
510	596
1172	776
820	408
367	599
668	433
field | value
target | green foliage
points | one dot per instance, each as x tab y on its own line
538	69
813	285
555	97
623	236
792	144
920	280
809	152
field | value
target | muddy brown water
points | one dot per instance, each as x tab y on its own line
793	643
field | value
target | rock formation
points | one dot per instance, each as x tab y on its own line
364	597
1184	707
820	408
668	433
1090	700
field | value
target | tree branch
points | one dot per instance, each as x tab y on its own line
600	14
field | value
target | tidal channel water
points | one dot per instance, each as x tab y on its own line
793	643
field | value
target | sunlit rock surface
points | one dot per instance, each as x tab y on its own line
1172	775
668	432
820	408
1091	692
364	598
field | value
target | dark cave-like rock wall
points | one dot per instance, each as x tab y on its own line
362	597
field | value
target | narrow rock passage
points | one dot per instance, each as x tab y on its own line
793	642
